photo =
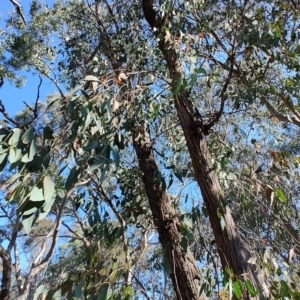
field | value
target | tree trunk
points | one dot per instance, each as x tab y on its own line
184	271
231	249
6	274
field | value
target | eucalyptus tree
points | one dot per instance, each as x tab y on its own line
148	68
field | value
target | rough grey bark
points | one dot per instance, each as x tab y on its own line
232	251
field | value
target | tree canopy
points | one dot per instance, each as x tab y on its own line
166	165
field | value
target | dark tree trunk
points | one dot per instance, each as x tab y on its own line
184	271
232	251
6	274
184	274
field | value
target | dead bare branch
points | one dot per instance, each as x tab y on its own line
6	115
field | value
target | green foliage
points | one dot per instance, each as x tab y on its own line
73	156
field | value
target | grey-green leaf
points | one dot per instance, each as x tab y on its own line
49	188
27	223
28	135
15	154
15	138
37	194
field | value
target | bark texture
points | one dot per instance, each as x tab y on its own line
184	271
6	274
233	253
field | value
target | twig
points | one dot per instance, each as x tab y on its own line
278	115
34	110
19	10
76	234
5	114
218	115
141	285
1	80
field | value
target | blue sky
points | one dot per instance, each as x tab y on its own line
11	96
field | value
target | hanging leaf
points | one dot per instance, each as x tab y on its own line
251	289
57	295
31	153
28	136
49	189
178	87
115	151
184	244
15	138
91	145
79	288
40	290
3	133
97	164
3	161
36	194
10	181
27	223
46	160
237	288
104	293
73	91
15	154
73	177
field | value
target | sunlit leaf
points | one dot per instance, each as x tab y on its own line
15	138
37	194
15	154
250	288
281	196
237	288
49	188
91	78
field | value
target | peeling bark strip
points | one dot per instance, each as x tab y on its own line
232	251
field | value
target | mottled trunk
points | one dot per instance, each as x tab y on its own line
184	271
232	251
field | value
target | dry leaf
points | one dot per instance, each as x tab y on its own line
269	193
291	254
115	105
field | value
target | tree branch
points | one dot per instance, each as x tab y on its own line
5	114
19	10
278	115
